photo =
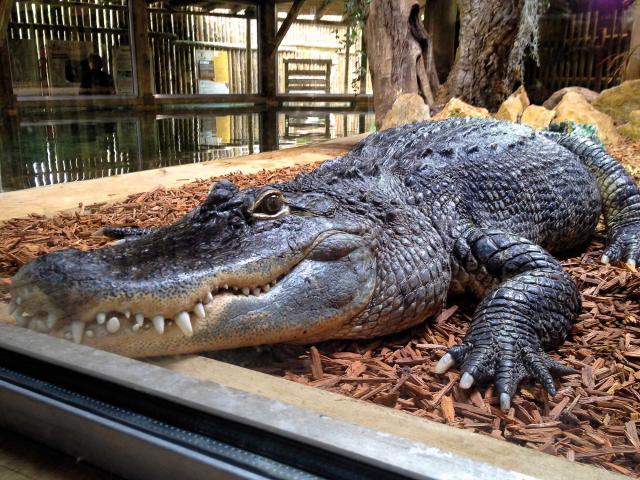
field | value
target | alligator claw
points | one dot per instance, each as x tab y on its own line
444	364
623	244
506	365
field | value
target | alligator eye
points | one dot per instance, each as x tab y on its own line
270	205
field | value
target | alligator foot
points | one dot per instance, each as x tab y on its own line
623	244
507	362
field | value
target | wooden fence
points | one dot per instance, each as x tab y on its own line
38	23
585	49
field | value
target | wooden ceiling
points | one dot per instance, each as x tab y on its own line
317	8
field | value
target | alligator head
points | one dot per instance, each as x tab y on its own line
244	268
339	253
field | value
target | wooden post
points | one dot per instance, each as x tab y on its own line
5	16
347	53
632	71
440	22
268	80
267	54
142	54
8	103
363	81
7	98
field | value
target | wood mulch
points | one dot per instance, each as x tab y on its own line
594	418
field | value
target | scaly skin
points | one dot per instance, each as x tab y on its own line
366	245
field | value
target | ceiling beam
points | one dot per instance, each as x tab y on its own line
322	9
291	16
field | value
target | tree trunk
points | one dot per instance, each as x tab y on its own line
485	71
492	41
398	52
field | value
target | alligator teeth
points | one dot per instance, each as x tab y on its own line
89	333
266	288
77	330
225	286
21	321
127	313
113	325
183	321
199	310
37	325
208	298
139	322
256	291
101	318
246	291
52	318
158	323
273	283
19	300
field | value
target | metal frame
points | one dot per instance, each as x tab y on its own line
135	454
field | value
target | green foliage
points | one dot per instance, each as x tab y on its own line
578	129
355	16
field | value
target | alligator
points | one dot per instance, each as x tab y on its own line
365	245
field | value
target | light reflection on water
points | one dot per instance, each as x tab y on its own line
45	152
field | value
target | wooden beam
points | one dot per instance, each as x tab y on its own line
5	16
142	55
286	24
322	9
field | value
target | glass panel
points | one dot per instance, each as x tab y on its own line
60	47
45	151
199	52
313	57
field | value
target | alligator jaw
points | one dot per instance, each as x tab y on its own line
315	297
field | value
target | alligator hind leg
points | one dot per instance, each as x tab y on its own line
620	198
530	308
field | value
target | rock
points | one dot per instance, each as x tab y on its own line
408	108
555	99
457	108
512	108
574	107
620	101
631	129
537	117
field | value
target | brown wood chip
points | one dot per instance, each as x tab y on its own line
593	419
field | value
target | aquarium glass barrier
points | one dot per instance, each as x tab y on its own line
46	152
60	48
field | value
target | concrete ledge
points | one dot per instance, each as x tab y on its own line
467	444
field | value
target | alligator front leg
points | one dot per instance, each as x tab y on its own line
529	309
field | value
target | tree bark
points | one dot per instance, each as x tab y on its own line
484	73
399	54
487	61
